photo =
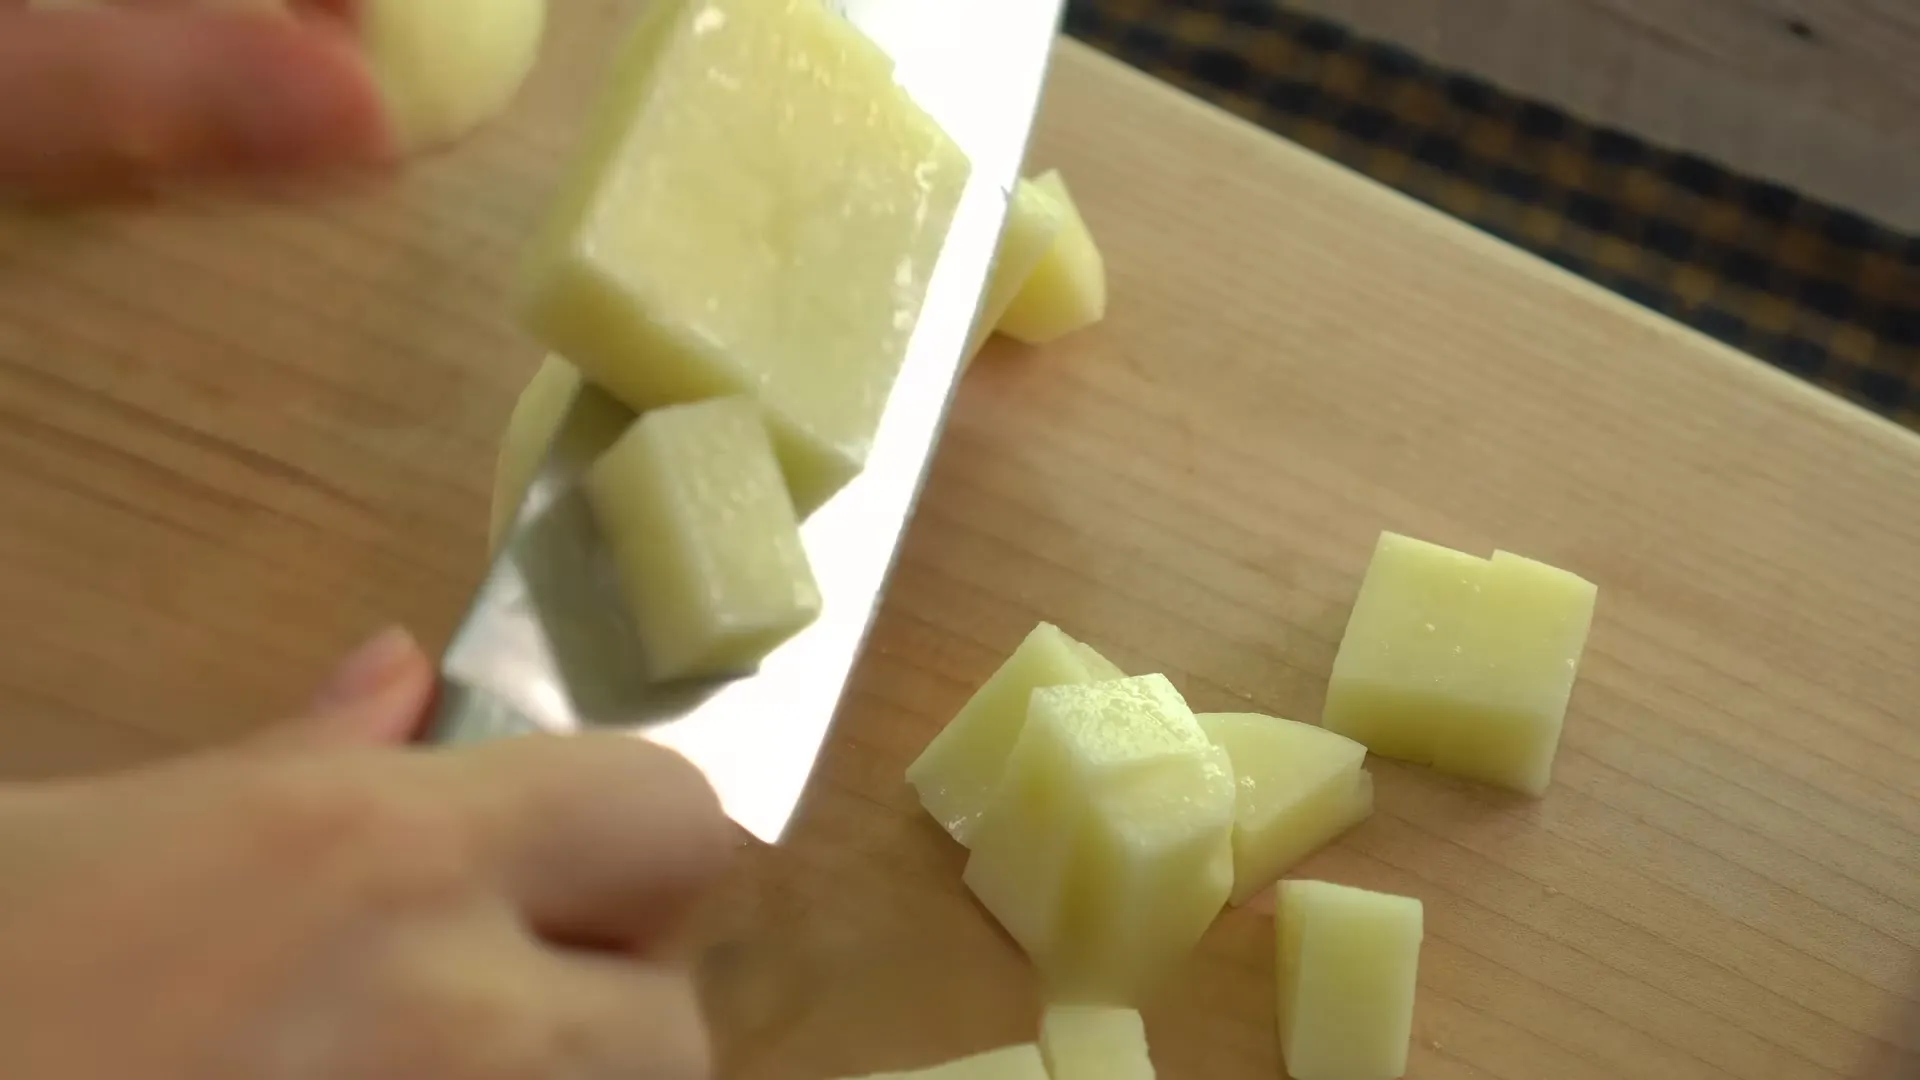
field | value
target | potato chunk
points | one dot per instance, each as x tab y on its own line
758	210
704	538
536	413
1461	663
958	771
1106	850
1094	1042
1348	962
1299	786
1034	220
1067	291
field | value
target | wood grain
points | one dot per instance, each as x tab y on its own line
235	437
1816	94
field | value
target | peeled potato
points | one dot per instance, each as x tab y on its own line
447	66
536	413
1067	290
1034	219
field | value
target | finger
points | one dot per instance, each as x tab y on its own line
377	696
367	674
334	8
97	102
600	840
379	693
609	1018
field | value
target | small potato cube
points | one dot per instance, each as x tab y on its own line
1067	291
1094	1042
957	773
1461	663
1348	963
703	538
1034	220
1299	787
1106	850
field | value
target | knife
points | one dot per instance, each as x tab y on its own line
547	645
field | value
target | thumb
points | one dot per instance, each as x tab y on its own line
378	694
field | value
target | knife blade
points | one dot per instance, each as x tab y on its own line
546	644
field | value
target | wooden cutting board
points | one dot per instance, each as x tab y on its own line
234	437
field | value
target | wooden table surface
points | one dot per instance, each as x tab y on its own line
236	436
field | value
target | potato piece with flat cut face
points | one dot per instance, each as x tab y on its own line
1094	1042
1348	961
536	413
1067	290
757	210
957	773
1106	849
1299	786
1034	220
703	538
1461	663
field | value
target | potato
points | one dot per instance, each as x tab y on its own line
1299	787
1067	290
703	538
1094	1042
1348	961
958	771
536	413
1106	850
1034	220
757	210
1462	663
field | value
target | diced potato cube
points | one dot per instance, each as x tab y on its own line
757	210
1106	850
703	538
1034	220
1067	291
1348	963
957	773
1094	1042
536	413
1021	1062
1461	663
1299	787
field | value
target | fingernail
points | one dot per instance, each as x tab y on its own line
369	671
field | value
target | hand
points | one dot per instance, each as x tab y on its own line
108	100
315	905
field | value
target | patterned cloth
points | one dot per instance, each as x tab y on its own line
1818	291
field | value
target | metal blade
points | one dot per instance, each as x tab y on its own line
548	614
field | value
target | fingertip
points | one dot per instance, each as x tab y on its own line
98	101
379	693
315	101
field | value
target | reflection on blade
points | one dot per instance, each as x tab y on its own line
549	636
